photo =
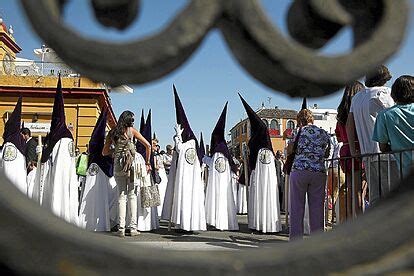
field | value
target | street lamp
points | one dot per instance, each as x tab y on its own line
43	56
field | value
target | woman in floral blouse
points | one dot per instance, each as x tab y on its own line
308	175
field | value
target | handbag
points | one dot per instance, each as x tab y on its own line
157	177
82	164
150	196
291	157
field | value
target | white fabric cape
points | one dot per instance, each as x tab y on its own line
98	205
184	199
242	199
220	207
30	179
13	166
234	184
264	209
57	190
162	186
147	218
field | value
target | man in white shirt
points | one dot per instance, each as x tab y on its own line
365	106
335	180
168	158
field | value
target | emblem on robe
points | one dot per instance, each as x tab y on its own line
71	148
220	165
10	153
93	169
190	156
265	156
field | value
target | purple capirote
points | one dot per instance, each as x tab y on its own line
313	183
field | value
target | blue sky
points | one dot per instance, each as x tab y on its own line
208	79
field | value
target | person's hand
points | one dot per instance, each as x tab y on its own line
148	167
38	149
178	130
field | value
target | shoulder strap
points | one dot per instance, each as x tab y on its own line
295	144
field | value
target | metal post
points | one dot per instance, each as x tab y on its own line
389	172
379	176
346	189
353	188
39	173
401	170
246	175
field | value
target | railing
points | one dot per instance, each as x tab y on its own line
350	177
288	66
37	68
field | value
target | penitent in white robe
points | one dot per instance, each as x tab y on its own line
162	186
98	205
264	209
13	167
58	190
220	207
184	199
147	218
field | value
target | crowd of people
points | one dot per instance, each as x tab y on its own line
127	184
374	146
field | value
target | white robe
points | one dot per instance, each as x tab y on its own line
264	209
13	167
60	182
242	199
147	218
30	179
234	184
184	199
220	207
98	200
162	186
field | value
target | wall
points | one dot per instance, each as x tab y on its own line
82	113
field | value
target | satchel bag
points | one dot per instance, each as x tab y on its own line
157	177
291	157
150	196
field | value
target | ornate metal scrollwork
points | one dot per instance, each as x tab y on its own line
292	67
36	242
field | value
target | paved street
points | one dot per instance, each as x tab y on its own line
212	240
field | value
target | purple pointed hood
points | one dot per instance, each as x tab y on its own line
304	103
182	120
142	123
147	133
58	128
96	145
218	141
259	138
140	147
202	147
12	128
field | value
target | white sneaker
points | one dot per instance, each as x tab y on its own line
121	233
134	232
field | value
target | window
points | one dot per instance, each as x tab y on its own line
290	124
274	124
265	122
244	129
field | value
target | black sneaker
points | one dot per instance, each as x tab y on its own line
115	228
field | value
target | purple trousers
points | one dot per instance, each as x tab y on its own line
312	183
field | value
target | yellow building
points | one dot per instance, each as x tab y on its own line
84	99
277	121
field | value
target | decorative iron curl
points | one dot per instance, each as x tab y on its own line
292	67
